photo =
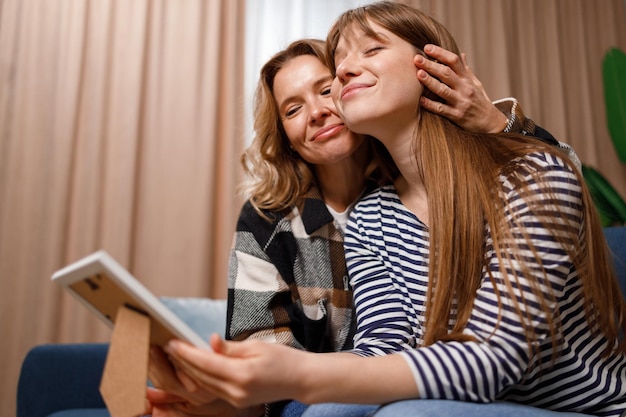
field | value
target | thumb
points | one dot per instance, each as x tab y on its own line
227	347
218	344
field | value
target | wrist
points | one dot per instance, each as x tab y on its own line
516	120
501	124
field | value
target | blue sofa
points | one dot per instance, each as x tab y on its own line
61	380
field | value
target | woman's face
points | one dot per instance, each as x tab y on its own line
309	117
376	90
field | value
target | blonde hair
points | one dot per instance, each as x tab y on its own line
461	201
276	176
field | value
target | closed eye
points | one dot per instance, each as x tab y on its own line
373	50
291	111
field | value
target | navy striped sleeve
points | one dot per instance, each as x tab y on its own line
387	257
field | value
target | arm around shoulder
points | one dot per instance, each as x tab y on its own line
519	123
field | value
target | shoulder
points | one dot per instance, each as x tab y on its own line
542	177
376	207
259	226
545	165
250	217
373	204
380	195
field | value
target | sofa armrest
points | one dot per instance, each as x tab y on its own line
616	239
57	377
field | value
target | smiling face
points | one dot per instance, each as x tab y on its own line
309	118
376	89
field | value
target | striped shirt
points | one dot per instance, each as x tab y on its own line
387	252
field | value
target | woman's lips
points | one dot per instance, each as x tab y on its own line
347	91
328	132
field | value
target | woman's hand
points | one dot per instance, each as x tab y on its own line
255	372
164	404
172	399
242	373
163	376
465	101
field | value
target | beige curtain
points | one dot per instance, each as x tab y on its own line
120	129
548	54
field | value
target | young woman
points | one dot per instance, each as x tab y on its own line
518	301
288	256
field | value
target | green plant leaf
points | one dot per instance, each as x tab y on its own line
614	77
609	204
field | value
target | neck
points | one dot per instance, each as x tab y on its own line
341	183
400	144
409	185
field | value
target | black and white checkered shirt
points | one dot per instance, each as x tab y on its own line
287	279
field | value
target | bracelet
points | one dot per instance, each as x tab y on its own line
509	125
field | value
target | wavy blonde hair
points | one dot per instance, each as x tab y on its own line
276	176
462	199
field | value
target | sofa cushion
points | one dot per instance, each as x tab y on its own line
204	315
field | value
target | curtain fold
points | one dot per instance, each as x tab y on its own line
122	123
548	54
120	129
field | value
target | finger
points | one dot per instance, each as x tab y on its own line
159	410
148	408
209	370
182	371
198	381
439	88
217	343
464	60
228	347
202	358
191	370
194	378
180	368
160	367
164	375
438	107
159	396
159	361
445	57
441	72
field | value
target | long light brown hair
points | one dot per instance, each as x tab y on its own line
464	196
276	176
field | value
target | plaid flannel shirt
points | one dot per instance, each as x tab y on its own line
288	281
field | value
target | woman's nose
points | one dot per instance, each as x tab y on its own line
319	111
346	69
